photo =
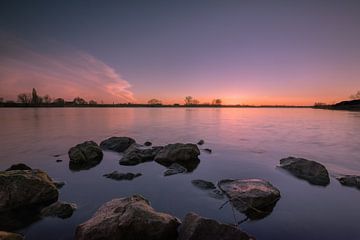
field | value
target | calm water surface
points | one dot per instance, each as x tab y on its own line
246	143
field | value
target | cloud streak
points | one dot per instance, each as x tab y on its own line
57	71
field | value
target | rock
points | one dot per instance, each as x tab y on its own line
58	160
195	227
58	184
59	209
19	166
137	154
122	176
314	172
26	188
174	169
349	180
147	143
130	218
10	236
184	154
216	193
254	197
85	156
117	144
208	150
201	142
202	184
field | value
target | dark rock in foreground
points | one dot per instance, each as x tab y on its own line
19	166
59	209
85	156
137	154
122	176
254	197
349	180
184	154
10	236
175	169
311	171
130	218
117	144
195	227
26	188
202	184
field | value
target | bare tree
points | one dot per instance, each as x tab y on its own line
79	101
35	98
24	98
154	101
188	100
217	102
47	99
92	102
355	96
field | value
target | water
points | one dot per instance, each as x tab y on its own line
246	143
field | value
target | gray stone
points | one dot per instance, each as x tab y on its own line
130	218
59	209
254	197
117	144
195	227
311	171
122	176
137	154
349	180
85	156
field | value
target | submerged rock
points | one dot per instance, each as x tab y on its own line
58	160
26	188
137	154
122	176
59	209
195	227
201	142
175	169
349	180
311	171
202	184
117	144
254	197
19	166
207	150
85	156
130	218
10	236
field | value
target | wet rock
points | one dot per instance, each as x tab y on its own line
175	169
207	150
183	154
202	184
85	156
117	144
58	160
349	180
195	227
201	142
254	197
59	209
137	154
58	184
147	143
10	236
311	171
26	188
122	176
19	166
130	218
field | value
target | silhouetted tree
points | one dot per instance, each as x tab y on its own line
79	101
1	100
59	101
92	102
47	99
188	100
217	102
154	101
24	98
355	96
35	98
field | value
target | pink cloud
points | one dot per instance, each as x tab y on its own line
65	73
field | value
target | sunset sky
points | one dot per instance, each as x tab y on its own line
244	52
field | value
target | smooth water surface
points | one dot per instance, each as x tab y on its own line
246	143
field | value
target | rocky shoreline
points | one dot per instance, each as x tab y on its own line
33	193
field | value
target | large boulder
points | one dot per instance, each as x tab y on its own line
26	188
349	180
311	171
195	227
117	144
59	209
137	154
10	236
254	197
183	154
130	218
85	156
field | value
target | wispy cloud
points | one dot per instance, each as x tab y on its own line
57	70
